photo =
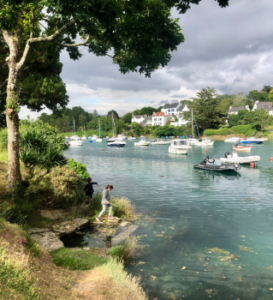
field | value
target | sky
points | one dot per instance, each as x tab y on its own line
229	49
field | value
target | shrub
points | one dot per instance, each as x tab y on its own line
210	132
76	259
123	208
242	129
125	252
223	131
79	168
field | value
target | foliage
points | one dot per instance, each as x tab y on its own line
127	118
62	187
270	96
79	168
77	260
41	146
207	112
138	129
145	111
123	208
261	119
112	113
222	131
126	252
247	130
260	96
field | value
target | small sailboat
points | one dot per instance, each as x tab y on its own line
114	141
75	140
99	139
84	136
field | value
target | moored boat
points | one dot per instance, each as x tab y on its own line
204	142
234	139
252	140
75	141
142	143
241	148
235	159
216	165
161	142
116	143
179	147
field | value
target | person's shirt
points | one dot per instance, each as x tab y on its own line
89	188
105	196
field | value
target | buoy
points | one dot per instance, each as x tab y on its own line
206	150
103	150
145	148
88	146
251	165
132	149
271	158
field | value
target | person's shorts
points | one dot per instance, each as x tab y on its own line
89	197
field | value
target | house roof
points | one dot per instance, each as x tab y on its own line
159	114
149	118
181	108
265	105
235	109
139	116
171	105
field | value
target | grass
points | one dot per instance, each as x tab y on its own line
125	252
123	208
77	259
115	270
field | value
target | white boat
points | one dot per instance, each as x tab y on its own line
142	137
204	142
83	137
241	148
75	141
256	139
94	137
179	147
235	159
116	143
142	143
234	139
121	137
192	141
161	142
131	138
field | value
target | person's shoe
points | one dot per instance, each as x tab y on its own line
98	219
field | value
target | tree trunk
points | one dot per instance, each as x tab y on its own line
12	109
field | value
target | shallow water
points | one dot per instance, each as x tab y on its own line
192	211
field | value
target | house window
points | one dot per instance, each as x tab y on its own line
159	119
169	110
172	114
172	109
155	119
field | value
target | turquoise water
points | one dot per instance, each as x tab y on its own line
190	213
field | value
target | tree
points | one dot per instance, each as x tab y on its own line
137	128
127	118
235	120
267	89
112	113
145	111
206	109
95	113
141	35
261	117
238	100
270	96
258	96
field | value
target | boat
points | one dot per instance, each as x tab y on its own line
75	141
161	142
142	137
192	141
234	139
67	137
116	143
142	143
131	138
204	142
99	139
84	136
235	159
216	165
179	147
94	137
252	140
241	148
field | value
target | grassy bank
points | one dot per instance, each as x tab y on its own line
28	272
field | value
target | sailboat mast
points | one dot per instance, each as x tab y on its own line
192	122
74	125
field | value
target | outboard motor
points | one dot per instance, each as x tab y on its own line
206	159
228	155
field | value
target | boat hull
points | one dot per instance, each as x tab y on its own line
241	160
115	145
178	151
252	142
230	168
247	149
75	143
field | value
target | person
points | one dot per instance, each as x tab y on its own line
106	202
89	190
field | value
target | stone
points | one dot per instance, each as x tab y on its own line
113	220
48	240
68	227
37	230
124	224
123	235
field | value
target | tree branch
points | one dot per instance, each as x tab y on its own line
4	83
74	45
109	55
50	38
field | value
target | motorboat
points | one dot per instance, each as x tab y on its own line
94	137
142	143
161	142
179	147
252	140
142	137
235	159
192	141
241	148
131	138
110	140
121	137
116	143
83	137
234	139
216	165
204	142
75	141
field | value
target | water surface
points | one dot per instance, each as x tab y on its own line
191	212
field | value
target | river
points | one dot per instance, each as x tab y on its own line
193	214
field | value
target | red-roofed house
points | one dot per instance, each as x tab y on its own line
159	118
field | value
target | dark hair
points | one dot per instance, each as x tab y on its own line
89	179
109	186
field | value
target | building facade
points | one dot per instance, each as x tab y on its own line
159	119
265	105
139	119
235	110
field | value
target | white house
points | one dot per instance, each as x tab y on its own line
180	116
234	110
138	119
159	118
171	109
265	105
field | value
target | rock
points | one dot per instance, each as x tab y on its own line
68	227
37	230
113	220
54	214
124	224
48	240
123	235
